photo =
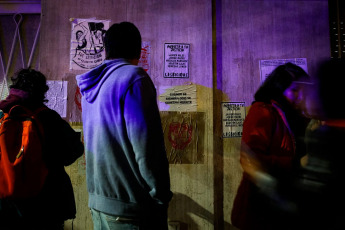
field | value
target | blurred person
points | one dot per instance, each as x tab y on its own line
63	146
320	192
126	163
271	148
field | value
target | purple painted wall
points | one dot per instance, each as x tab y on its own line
254	30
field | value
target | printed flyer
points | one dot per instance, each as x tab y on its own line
267	66
233	115
176	60
87	43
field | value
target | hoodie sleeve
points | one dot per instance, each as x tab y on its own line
145	133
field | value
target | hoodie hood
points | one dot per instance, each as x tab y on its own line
16	96
90	82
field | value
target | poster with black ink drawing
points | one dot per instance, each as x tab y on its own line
87	43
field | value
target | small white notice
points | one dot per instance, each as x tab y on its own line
233	115
178	98
267	66
176	60
57	97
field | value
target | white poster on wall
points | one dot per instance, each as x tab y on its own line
233	115
176	60
267	66
87	43
57	97
178	98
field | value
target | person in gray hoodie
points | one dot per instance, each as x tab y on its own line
126	163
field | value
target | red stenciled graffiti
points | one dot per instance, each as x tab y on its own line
180	135
77	98
144	58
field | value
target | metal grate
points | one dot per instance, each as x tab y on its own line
336	26
19	35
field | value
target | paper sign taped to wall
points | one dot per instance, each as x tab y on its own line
178	98
57	97
233	115
267	66
176	60
87	43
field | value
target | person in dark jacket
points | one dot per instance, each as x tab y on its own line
319	188
271	149
127	169
62	146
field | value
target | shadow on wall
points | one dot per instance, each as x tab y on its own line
188	207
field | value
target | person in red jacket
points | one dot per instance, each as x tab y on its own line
271	148
63	146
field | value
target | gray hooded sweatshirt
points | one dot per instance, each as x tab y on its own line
126	164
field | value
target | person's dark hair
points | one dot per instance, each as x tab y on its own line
76	33
278	81
31	81
122	40
330	88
